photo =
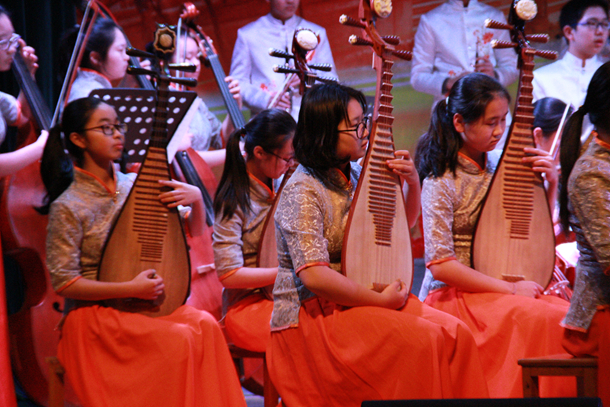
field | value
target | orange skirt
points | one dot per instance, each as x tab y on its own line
595	342
508	328
247	323
342	356
114	358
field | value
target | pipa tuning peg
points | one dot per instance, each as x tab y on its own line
284	69
406	55
347	20
391	39
326	79
489	23
503	44
355	40
539	38
321	67
279	53
552	55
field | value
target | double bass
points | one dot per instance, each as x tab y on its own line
514	238
377	244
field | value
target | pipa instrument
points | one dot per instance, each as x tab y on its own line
377	244
147	234
304	42
514	238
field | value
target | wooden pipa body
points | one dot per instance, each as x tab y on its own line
377	243
147	234
514	238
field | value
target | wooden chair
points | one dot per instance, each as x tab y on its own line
56	382
269	392
584	369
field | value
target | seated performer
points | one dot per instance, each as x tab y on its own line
509	320
253	66
13	111
339	342
113	357
243	200
584	24
585	208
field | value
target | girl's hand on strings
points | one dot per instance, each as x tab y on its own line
181	194
541	162
148	285
404	167
395	295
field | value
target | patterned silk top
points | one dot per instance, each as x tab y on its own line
589	205
450	208
310	222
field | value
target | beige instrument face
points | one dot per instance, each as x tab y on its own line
383	8
526	9
307	39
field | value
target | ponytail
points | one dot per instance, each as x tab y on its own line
56	167
270	129
437	150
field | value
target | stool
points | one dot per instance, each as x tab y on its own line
270	394
56	382
585	370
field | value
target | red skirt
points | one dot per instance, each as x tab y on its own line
508	328
115	358
595	342
341	357
247	323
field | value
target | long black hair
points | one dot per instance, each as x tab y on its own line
437	150
548	113
56	167
323	109
597	105
270	129
100	40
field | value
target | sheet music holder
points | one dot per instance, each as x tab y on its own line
135	107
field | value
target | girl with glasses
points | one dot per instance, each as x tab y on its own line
338	342
244	197
176	360
15	111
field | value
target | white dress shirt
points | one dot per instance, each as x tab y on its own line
253	66
448	41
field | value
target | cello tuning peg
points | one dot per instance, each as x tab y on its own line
132	70
133	52
539	38
552	55
355	40
489	23
347	20
183	67
190	82
321	67
391	39
406	55
284	69
503	44
279	53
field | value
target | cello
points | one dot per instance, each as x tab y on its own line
377	245
32	332
514	238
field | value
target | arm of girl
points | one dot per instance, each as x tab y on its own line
542	162
250	277
147	285
16	160
404	167
454	273
186	194
335	287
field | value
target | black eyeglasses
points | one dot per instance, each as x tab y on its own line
286	160
360	128
7	44
109	129
595	25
